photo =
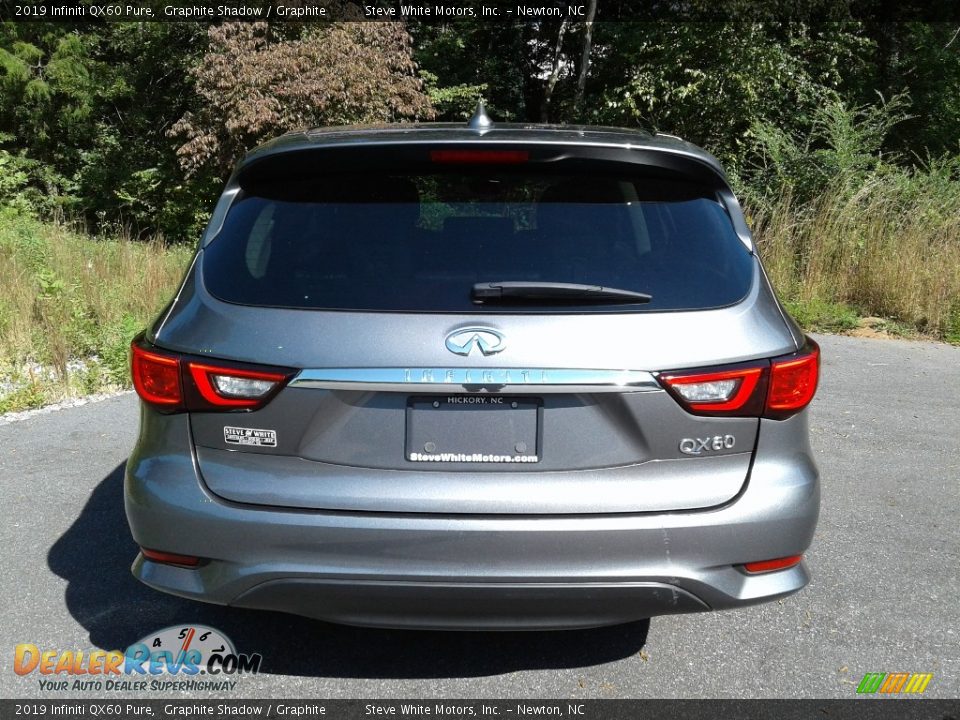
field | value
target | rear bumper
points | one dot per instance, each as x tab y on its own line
473	572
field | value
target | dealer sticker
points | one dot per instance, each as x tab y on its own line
250	436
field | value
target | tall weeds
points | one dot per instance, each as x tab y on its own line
65	296
837	222
875	250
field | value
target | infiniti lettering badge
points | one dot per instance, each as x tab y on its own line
488	340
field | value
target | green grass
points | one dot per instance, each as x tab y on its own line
952	334
69	306
822	316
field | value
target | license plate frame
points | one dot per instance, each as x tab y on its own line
474	429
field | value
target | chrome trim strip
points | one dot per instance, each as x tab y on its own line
512	380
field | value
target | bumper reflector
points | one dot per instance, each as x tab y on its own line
763	566
170	558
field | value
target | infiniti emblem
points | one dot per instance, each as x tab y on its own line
462	342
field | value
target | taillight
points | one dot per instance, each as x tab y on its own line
174	383
479	157
793	381
717	392
156	377
231	387
774	389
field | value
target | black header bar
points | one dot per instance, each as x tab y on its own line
573	11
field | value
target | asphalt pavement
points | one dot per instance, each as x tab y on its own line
884	594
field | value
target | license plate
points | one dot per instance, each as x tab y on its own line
473	429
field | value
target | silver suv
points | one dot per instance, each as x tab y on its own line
472	377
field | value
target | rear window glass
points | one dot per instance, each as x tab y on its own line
420	242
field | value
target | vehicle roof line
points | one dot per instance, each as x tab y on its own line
440	133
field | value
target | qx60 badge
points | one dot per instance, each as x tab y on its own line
698	446
487	340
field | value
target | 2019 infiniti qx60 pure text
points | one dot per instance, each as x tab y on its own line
477	376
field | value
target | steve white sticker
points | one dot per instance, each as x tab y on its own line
250	436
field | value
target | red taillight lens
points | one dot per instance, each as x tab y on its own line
231	387
725	391
793	381
156	376
170	558
479	157
764	566
174	383
774	389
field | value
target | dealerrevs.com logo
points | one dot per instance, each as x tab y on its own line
178	658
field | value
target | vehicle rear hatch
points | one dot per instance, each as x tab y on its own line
411	394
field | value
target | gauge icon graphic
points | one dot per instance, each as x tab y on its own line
176	647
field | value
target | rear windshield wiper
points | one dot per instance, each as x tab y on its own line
523	291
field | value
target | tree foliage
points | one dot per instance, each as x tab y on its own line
254	82
138	123
84	111
709	82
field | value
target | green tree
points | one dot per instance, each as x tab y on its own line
257	80
464	60
84	111
128	169
922	61
710	82
48	94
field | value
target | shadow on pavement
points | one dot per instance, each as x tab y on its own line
95	554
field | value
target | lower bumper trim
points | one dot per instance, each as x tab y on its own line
455	606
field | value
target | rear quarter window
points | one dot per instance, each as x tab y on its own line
419	242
